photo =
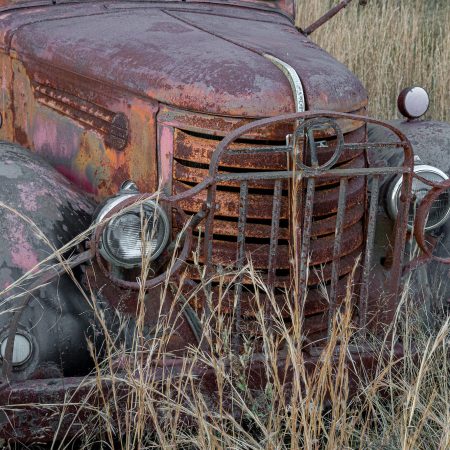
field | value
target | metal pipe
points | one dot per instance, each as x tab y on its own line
326	17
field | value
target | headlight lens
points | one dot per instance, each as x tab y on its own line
440	210
141	232
22	349
138	233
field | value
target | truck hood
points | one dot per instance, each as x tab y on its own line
202	57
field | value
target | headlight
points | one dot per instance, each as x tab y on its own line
439	212
140	232
22	349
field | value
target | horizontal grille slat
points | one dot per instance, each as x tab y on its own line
199	149
186	172
260	206
320	227
318	275
224	252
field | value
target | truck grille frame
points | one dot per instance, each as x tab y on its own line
310	176
308	179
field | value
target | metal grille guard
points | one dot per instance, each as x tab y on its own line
303	180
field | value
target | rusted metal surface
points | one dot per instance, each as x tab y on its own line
264	8
315	303
367	265
84	43
213	247
318	274
95	149
77	77
339	258
340	246
115	90
192	153
320	226
113	126
206	125
421	134
224	253
65	418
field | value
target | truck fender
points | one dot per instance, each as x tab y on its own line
430	140
57	318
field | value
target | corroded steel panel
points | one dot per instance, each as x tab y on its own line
220	69
6	94
194	143
90	139
224	253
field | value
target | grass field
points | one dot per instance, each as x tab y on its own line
389	44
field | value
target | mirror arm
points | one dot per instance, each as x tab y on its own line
326	17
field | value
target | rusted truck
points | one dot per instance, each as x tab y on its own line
238	140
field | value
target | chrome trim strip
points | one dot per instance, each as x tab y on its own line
294	80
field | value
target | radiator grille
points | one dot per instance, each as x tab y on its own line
192	155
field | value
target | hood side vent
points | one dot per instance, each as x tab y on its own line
113	126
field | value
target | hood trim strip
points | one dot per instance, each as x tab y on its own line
294	80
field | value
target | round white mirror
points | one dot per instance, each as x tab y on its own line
413	102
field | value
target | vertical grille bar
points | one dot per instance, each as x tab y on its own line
296	207
364	294
208	247
319	156
306	237
308	213
240	258
401	225
337	251
274	232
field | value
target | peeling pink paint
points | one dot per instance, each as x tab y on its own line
22	254
166	152
28	196
55	138
59	182
44	134
78	179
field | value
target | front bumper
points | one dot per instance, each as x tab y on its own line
59	410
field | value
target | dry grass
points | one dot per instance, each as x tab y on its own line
389	45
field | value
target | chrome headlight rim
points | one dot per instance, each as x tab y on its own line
129	209
395	190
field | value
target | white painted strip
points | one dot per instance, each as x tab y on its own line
294	80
